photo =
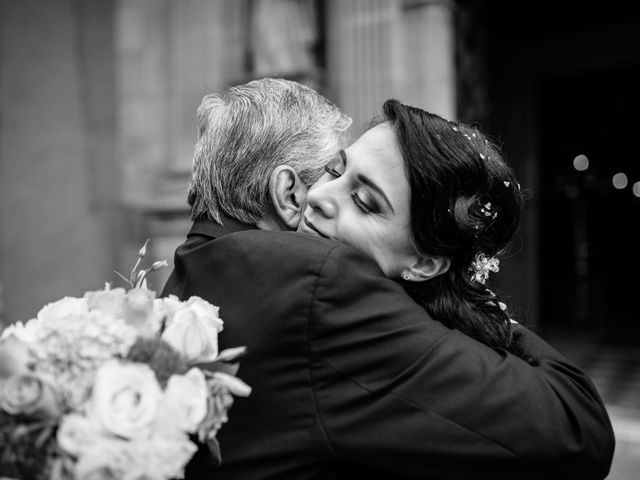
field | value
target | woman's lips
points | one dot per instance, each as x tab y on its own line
307	225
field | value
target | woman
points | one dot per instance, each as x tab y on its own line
433	203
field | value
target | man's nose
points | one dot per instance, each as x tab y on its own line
322	200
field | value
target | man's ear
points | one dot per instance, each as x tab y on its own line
288	193
426	267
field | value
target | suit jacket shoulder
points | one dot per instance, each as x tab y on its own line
366	376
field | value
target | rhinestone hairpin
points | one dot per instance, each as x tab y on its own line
482	266
486	210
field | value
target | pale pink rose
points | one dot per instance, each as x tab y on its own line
193	330
27	394
139	312
23	331
114	459
77	433
63	308
169	455
184	404
125	398
14	356
109	301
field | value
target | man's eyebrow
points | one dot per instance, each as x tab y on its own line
368	182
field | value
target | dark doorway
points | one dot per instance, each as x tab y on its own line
563	81
588	230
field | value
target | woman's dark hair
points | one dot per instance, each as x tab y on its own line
465	202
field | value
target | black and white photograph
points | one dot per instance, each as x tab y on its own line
319	239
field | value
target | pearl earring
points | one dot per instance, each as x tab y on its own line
406	276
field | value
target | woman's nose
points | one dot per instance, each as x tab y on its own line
322	200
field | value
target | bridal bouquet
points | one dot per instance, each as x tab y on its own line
115	385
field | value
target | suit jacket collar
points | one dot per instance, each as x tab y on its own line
210	228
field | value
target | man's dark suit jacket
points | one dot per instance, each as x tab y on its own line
352	379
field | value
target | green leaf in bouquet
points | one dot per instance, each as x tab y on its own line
214	449
222	363
25	449
216	366
46	433
231	353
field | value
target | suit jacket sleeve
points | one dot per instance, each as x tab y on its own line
398	391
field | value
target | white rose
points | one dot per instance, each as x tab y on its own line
125	398
184	404
77	434
14	356
113	459
139	311
169	456
109	301
64	307
205	310
193	330
163	310
167	306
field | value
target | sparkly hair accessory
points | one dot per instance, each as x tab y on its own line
481	266
486	210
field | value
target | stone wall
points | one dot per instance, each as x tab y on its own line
55	223
98	100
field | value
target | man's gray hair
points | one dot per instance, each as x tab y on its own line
244	134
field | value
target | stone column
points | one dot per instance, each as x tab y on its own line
363	64
378	49
142	88
206	53
169	55
55	225
429	56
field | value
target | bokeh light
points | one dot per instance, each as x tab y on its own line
581	162
620	181
636	189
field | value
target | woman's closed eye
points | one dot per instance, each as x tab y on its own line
364	202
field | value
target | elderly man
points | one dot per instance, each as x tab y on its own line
350	377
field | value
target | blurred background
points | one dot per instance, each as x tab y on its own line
97	104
